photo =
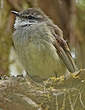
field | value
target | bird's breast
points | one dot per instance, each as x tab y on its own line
37	54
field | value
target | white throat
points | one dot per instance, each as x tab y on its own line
21	23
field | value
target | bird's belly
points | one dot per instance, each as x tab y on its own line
40	59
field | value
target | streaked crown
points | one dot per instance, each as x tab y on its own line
28	17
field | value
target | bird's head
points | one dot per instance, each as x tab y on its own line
28	17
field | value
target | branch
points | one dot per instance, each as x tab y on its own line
18	93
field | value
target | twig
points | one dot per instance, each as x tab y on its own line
64	100
72	108
81	100
56	102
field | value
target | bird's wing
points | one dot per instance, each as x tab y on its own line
62	48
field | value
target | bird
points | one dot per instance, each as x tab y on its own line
39	45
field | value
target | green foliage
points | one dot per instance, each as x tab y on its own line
81	4
81	16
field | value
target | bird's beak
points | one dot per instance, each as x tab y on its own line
15	13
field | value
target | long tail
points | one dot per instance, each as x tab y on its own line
66	57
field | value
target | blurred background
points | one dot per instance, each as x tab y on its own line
69	15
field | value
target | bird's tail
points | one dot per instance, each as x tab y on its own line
66	57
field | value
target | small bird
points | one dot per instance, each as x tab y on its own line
39	44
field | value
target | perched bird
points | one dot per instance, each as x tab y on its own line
39	44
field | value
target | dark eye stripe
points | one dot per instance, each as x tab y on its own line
31	17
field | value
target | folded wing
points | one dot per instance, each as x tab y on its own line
62	48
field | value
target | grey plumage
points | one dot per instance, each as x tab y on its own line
39	43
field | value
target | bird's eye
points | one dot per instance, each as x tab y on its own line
31	17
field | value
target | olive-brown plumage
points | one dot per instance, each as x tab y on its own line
39	43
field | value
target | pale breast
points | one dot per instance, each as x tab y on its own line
37	53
